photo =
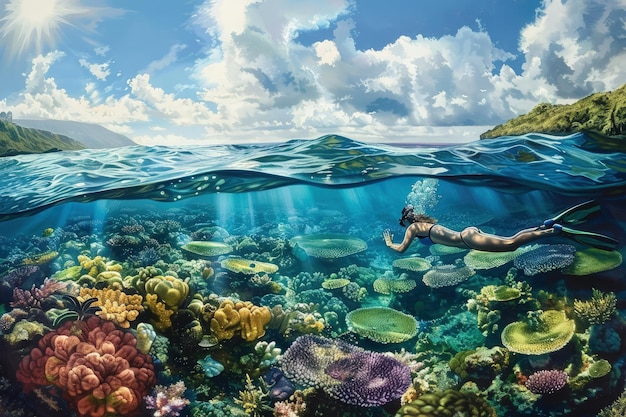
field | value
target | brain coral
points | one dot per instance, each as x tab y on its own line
592	260
447	275
545	258
99	370
382	324
345	372
447	403
328	246
550	332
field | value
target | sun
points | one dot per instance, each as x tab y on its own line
29	26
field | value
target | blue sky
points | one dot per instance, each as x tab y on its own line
226	71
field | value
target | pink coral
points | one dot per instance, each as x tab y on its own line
34	297
167	401
97	366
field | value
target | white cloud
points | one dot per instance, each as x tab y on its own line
258	83
100	71
167	60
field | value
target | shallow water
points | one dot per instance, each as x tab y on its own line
138	207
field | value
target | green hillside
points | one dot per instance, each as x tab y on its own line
16	139
601	112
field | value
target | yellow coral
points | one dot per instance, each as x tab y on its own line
97	264
243	317
161	319
170	290
115	305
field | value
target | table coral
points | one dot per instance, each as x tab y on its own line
115	305
99	370
248	266
545	258
549	331
447	275
240	317
382	324
591	261
327	246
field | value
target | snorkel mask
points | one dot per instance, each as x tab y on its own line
407	216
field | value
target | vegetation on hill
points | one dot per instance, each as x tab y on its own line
601	112
16	140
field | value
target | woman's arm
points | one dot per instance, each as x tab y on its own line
409	235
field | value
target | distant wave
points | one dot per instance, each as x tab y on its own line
580	164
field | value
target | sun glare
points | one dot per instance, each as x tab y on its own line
29	26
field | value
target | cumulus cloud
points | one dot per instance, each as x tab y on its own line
100	71
259	83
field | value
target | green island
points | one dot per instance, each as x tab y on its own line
15	140
601	112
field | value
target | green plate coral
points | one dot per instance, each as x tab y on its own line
382	324
248	267
413	264
328	246
592	260
207	248
549	332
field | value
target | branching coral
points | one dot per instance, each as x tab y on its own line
599	309
115	305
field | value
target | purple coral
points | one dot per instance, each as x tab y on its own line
546	381
167	401
545	258
17	276
346	372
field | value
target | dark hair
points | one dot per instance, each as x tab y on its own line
409	217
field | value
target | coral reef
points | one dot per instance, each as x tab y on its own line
599	309
167	401
546	381
116	306
447	403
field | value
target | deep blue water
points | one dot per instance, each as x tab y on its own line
258	197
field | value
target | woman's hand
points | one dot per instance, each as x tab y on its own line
388	237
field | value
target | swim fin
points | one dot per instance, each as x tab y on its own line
574	215
594	240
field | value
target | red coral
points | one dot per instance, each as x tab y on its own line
99	369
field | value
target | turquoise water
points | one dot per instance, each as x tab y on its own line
315	212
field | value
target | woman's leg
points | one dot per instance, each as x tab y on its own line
474	238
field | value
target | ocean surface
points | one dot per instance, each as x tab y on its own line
254	280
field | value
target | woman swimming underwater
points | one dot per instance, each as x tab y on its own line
428	231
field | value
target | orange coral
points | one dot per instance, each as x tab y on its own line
242	317
115	305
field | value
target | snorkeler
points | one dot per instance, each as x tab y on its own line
428	231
